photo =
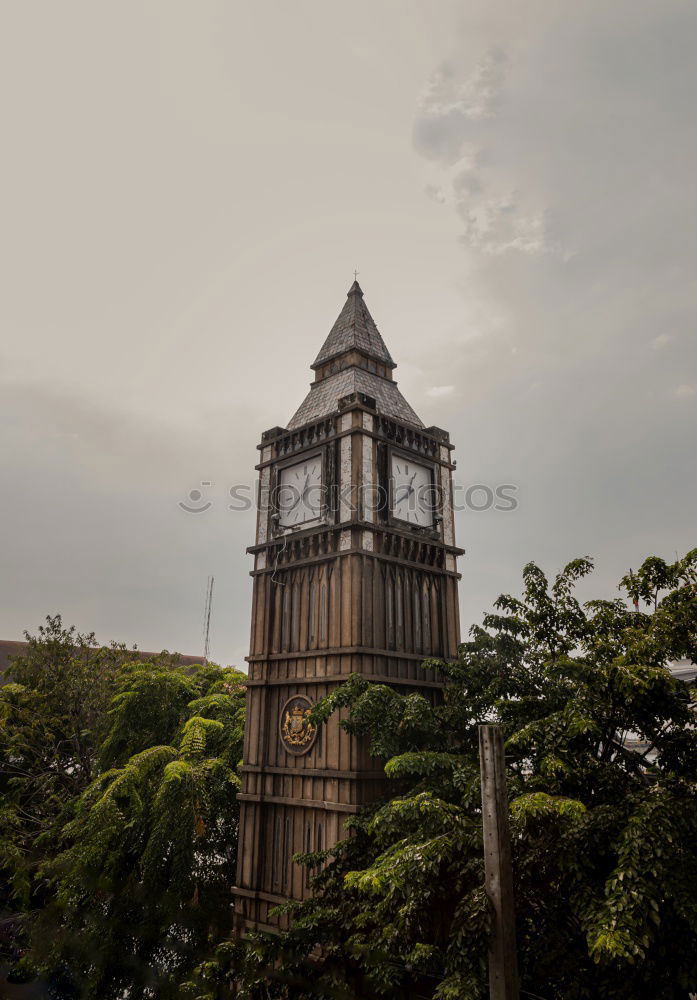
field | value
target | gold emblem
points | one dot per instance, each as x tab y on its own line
297	731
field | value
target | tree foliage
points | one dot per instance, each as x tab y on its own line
119	813
52	720
601	755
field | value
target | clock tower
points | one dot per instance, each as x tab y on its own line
354	572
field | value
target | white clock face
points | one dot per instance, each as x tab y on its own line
412	492
300	492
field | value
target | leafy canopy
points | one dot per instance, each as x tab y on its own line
601	755
119	813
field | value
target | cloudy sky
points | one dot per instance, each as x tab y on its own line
186	190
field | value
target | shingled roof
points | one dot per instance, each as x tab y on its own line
354	329
363	363
323	397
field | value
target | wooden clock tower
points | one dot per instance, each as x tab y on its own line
354	572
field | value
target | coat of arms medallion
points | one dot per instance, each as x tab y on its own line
296	731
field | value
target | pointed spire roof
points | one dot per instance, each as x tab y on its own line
354	329
363	365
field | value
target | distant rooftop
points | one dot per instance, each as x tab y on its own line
684	670
10	648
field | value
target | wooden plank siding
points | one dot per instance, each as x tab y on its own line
361	595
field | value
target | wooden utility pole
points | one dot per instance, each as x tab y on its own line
503	962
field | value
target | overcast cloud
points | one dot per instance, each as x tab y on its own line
186	191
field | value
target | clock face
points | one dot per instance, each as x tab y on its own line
300	492
412	492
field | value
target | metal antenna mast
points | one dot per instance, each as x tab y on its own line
207	620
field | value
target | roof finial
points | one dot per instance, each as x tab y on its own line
355	288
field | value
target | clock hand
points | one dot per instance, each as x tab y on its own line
297	500
300	496
409	488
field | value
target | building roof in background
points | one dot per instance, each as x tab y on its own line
10	648
684	670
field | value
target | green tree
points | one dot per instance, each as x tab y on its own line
601	756
118	814
52	720
142	884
